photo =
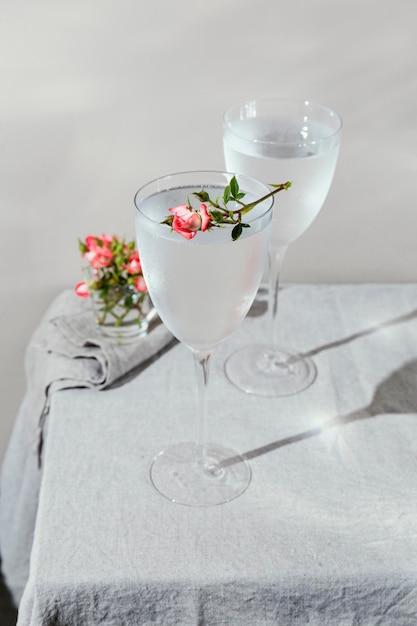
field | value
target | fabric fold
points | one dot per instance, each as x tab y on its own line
66	351
63	352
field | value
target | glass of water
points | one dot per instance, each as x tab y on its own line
275	141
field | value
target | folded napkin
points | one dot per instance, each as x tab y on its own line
65	351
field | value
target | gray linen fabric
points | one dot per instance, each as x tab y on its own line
326	533
64	352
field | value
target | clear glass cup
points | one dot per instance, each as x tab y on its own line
121	314
277	141
202	289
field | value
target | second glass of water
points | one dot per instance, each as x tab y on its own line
276	141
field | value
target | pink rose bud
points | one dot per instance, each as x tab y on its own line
187	222
134	266
140	284
81	289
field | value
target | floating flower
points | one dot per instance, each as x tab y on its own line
187	221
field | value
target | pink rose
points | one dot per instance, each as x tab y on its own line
81	289
140	284
91	241
133	266
187	222
99	257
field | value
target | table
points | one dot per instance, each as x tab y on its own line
326	533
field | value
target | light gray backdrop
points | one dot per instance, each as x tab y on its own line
99	96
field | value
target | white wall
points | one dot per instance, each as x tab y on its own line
99	96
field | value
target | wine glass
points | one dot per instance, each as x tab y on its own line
202	289
275	140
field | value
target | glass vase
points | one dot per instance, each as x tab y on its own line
121	314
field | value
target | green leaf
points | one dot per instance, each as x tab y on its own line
234	187
237	231
82	247
129	301
202	195
217	216
226	194
284	186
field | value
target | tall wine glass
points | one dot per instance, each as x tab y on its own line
202	289
276	140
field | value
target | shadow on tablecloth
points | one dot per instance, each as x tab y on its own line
8	612
395	395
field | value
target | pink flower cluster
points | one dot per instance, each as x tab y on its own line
111	260
187	221
99	253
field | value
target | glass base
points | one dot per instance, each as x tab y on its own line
259	371
124	334
179	475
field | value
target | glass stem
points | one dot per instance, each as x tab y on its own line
201	362
276	259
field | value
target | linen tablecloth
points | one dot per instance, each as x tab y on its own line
326	533
64	352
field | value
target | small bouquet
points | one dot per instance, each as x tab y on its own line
113	279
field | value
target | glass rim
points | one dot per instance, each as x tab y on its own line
197	172
294	101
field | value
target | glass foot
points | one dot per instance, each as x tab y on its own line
180	475
258	370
